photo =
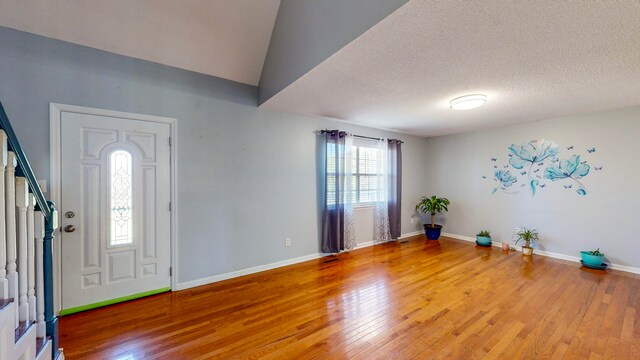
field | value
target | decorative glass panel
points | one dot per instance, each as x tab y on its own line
121	198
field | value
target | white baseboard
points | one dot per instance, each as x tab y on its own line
256	269
252	270
460	237
629	269
411	234
625	268
364	245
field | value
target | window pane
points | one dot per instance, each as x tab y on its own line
368	160
121	198
365	177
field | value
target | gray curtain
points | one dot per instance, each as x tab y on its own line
395	186
334	192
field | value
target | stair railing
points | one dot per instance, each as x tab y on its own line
27	223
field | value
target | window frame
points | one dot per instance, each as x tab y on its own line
357	174
357	146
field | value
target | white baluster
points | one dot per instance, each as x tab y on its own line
41	327
22	201
10	213
4	284
31	265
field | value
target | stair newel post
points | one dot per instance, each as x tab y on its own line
4	284
31	258
51	320
22	201
41	328
10	220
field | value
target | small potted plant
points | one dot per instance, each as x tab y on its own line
592	258
528	236
432	205
483	238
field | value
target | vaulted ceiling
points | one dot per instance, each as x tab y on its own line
388	64
223	38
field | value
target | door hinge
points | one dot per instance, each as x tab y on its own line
170	142
170	271
170	207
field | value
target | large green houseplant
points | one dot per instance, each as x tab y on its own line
432	205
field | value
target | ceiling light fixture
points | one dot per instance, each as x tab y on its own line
468	102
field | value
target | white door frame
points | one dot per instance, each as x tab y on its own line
55	113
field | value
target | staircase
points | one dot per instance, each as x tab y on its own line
28	325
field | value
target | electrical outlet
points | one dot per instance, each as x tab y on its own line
287	242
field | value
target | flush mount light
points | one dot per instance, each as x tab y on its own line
468	102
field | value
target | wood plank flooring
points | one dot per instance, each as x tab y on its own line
418	300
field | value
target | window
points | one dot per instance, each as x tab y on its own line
121	198
365	183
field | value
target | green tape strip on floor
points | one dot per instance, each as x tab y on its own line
77	309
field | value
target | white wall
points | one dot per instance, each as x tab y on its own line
606	218
246	176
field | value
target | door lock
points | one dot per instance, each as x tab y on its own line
69	214
69	228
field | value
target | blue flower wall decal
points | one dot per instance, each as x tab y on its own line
532	152
533	156
569	169
505	178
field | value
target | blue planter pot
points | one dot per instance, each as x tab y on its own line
433	233
589	259
484	240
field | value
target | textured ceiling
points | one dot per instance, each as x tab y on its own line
223	38
533	59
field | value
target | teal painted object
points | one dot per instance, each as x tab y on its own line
50	318
594	260
24	168
484	240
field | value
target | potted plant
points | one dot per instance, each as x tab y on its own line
432	205
483	238
592	258
528	236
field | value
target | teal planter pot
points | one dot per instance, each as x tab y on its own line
484	240
594	260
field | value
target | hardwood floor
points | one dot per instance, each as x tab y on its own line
422	300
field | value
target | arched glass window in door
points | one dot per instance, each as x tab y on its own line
121	198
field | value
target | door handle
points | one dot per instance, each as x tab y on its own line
69	228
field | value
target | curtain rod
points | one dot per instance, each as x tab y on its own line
365	137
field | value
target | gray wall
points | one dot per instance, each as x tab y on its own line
247	177
606	217
308	32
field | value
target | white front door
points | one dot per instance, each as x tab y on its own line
115	207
